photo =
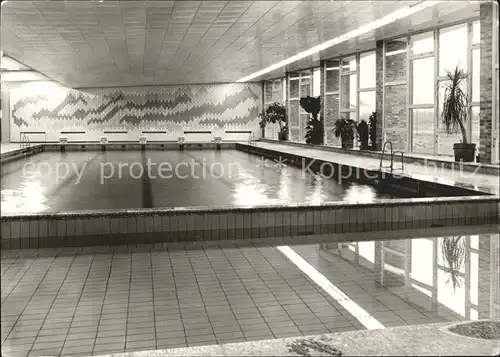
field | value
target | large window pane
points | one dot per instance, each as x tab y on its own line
423	81
421	250
348	64
422	43
305	84
423	130
452	48
349	92
475	126
476	75
316	82
395	60
367	70
476	32
366	105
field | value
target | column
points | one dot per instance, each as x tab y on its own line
486	92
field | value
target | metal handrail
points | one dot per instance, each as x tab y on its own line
391	165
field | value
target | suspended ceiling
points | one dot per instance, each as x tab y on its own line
125	43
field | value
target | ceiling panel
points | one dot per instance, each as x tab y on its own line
123	43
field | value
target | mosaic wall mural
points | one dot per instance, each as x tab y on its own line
55	110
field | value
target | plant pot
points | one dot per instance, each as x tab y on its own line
464	152
282	135
347	143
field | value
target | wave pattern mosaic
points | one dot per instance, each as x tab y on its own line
52	110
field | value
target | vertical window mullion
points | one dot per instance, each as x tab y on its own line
409	113
469	80
436	90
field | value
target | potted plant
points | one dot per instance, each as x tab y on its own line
453	252
455	113
362	129
372	123
344	129
314	129
263	122
275	113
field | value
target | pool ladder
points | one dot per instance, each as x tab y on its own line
24	141
250	138
393	153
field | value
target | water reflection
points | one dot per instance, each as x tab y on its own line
454	277
30	197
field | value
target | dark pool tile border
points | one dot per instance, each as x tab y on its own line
83	231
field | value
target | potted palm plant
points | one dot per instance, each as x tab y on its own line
344	129
453	250
276	113
314	129
455	113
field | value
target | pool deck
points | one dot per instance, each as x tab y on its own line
432	173
417	340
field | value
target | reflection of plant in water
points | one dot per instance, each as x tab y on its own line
453	250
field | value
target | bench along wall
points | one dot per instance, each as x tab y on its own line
46	110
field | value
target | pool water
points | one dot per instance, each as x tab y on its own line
53	181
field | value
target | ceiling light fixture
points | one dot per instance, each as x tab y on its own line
397	15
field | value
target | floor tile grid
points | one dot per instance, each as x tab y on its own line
220	335
350	286
274	316
103	344
327	309
378	310
164	338
13	276
208	339
56	278
141	317
86	262
252	332
266	265
108	249
10	327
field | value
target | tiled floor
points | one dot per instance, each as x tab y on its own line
99	300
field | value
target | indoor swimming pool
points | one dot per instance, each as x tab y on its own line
90	180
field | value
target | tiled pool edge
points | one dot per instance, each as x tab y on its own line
147	226
490	169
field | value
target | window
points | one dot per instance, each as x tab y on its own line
366	105
452	48
367	70
422	43
316	82
476	74
476	32
349	92
348	64
423	130
423	81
